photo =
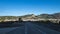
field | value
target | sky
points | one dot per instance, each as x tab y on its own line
24	7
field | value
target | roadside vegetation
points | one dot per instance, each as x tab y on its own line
45	16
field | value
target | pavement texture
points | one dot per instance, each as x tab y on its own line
28	28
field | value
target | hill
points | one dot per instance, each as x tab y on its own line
53	16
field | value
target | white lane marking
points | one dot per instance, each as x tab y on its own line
33	26
50	31
38	29
25	28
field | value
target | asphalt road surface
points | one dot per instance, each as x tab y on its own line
28	28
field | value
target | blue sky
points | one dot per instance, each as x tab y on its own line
23	7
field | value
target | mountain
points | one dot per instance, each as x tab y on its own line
46	16
55	15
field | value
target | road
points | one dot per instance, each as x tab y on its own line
28	28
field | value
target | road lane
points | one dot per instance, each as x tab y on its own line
12	30
5	30
44	29
19	30
32	30
28	28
